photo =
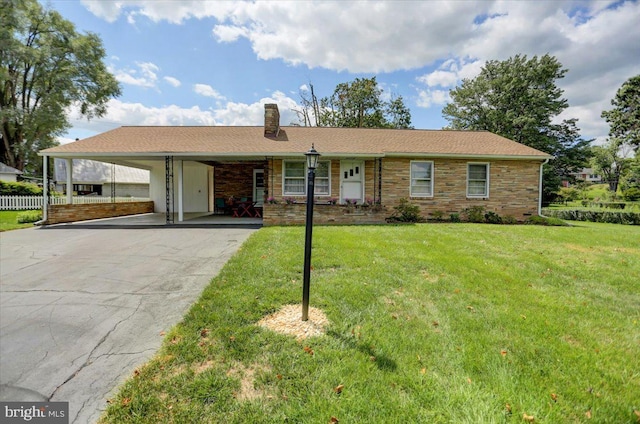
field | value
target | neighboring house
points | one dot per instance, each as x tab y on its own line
588	175
439	170
8	173
91	177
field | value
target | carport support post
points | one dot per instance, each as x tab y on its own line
69	181
45	187
312	162
180	192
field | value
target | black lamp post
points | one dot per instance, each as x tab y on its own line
312	162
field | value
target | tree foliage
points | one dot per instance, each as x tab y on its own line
607	162
46	66
518	99
624	118
354	104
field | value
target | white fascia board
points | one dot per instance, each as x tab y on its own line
468	156
230	155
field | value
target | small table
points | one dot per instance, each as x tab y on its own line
241	209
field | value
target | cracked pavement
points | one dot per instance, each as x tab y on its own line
81	308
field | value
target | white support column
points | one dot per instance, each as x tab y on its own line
69	181
180	192
45	186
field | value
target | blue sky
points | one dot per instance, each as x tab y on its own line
217	63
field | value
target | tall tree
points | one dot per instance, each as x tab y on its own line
46	66
355	104
607	161
518	98
624	118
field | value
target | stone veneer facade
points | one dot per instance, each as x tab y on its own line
513	186
58	214
513	191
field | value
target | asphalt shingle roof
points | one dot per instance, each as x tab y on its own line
247	141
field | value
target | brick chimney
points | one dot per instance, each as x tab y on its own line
271	120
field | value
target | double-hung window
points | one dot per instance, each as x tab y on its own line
322	183
421	179
295	178
478	180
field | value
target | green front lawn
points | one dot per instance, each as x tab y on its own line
437	323
9	221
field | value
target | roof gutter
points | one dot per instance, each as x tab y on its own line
468	155
249	155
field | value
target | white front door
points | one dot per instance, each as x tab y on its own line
351	181
258	187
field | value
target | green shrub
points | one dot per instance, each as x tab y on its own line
473	214
29	216
612	205
492	218
406	212
8	188
548	221
611	217
455	217
568	194
509	220
437	215
631	194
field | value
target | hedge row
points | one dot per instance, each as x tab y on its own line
610	217
8	188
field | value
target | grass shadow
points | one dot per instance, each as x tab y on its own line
382	361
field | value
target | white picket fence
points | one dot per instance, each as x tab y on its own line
14	203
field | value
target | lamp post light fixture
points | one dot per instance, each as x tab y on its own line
312	162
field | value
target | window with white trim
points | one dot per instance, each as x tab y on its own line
478	180
295	178
323	179
421	179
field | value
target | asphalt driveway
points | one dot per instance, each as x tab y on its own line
80	308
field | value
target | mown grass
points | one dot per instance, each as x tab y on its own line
9	221
438	323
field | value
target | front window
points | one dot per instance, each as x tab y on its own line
478	180
295	178
421	179
323	173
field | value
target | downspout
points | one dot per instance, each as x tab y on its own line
45	190
540	189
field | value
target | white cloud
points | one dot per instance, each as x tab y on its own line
233	113
253	114
229	33
107	10
207	91
446	76
429	97
597	41
440	78
173	81
144	76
